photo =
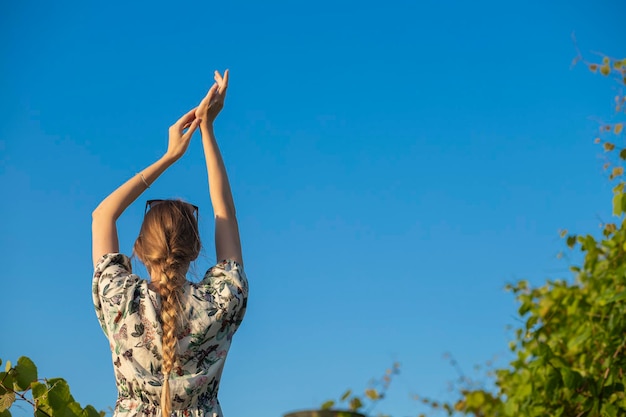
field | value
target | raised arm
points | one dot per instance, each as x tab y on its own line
227	242
104	217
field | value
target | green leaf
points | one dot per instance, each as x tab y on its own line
558	362
346	395
355	403
544	350
511	408
26	372
7	382
610	410
5	413
58	393
372	394
525	390
6	400
571	378
39	390
524	308
571	241
617	297
617	204
475	399
90	411
554	382
328	405
8	366
2	387
40	395
73	409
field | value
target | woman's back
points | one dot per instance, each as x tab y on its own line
129	311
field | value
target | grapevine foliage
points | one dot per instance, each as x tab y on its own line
569	354
48	397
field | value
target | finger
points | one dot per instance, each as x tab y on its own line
206	101
186	118
222	81
212	90
209	94
192	128
223	84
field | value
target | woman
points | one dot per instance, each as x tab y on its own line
169	337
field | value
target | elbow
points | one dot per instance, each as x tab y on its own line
99	215
225	216
96	214
224	208
226	212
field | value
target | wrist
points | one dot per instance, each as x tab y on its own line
169	159
206	126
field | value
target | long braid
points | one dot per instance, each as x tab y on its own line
169	289
167	243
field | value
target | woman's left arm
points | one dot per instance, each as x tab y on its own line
103	228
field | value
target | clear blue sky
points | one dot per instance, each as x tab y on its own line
394	165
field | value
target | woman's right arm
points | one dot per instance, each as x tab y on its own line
104	217
227	241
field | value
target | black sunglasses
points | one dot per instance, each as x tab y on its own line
152	203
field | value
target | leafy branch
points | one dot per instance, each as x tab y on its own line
48	397
371	396
568	352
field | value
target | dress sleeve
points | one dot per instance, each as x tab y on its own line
112	281
226	285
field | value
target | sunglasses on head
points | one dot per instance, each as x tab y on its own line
152	203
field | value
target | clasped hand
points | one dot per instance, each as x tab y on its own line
206	112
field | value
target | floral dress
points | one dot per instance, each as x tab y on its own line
128	311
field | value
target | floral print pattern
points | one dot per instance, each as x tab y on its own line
128	312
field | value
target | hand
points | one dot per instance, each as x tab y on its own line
178	138
213	102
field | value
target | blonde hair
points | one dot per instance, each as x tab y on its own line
167	243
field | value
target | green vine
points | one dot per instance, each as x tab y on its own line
569	356
569	353
369	399
47	397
